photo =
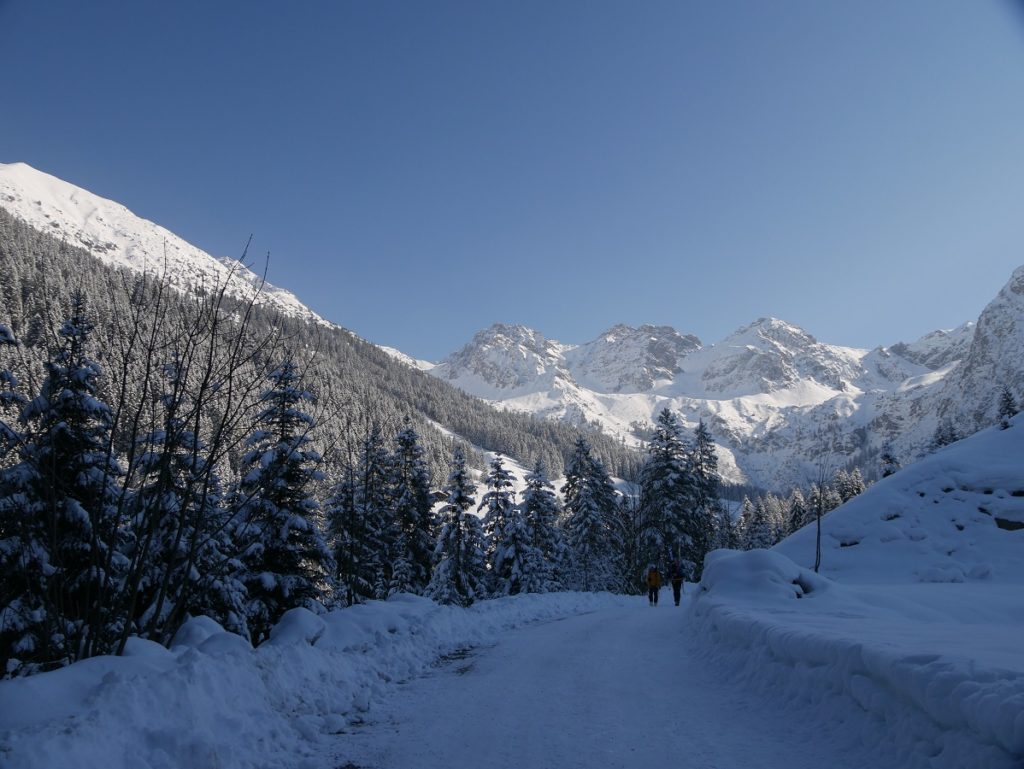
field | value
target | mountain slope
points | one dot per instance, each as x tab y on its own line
99	245
119	238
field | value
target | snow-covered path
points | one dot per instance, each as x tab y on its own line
613	688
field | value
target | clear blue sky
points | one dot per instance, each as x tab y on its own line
419	170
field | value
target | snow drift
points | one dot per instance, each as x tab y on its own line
913	626
214	701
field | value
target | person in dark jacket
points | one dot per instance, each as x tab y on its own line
653	584
676	576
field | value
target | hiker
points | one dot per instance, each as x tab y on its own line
653	584
676	575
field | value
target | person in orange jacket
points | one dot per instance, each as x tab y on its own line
653	584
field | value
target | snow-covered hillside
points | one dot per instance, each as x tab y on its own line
915	617
118	237
775	397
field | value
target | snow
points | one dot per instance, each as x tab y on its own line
915	619
765	391
212	700
872	662
119	238
616	689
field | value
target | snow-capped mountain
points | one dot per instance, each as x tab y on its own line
777	400
118	237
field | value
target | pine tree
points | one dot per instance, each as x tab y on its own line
497	504
373	503
854	485
761	529
590	506
1007	407
414	543
707	513
667	496
61	503
286	556
744	523
349	540
889	463
23	554
541	511
945	434
183	558
798	511
459	569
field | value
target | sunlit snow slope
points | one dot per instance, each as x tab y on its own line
120	238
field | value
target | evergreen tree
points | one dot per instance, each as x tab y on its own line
548	550
761	529
888	461
459	569
945	434
287	559
414	543
849	484
744	523
373	504
497	504
707	516
590	507
667	496
351	546
61	515
183	559
1007	407
798	511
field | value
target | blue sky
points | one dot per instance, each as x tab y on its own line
419	170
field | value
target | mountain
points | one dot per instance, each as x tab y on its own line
781	404
56	238
119	238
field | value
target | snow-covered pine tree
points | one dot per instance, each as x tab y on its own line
497	505
541	512
744	522
707	511
797	511
22	581
61	502
945	434
667	497
888	462
183	558
832	499
590	506
286	558
459	574
1007	407
761	530
348	539
373	506
414	543
851	485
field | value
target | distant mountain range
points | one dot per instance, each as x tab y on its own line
780	403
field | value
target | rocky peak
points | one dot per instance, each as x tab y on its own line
628	359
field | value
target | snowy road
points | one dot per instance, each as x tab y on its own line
613	688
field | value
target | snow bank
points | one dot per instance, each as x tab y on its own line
214	701
954	516
935	670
